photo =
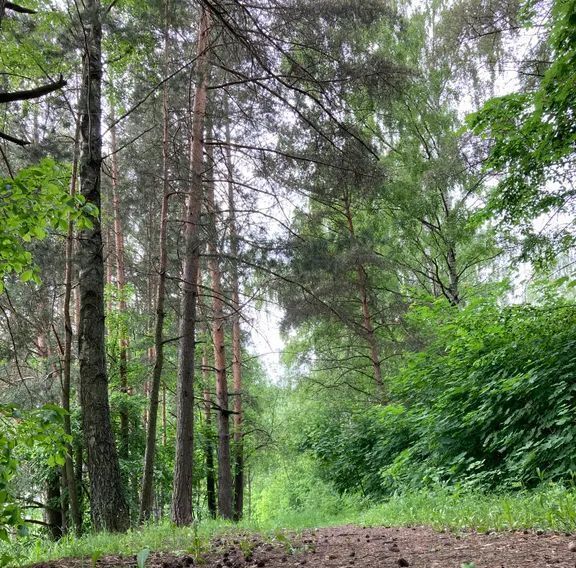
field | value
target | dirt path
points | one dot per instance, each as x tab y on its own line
355	547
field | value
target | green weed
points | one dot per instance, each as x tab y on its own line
552	507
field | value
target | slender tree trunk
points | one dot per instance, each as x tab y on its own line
75	512
369	328
208	449
53	510
452	291
109	253
236	342
64	501
123	342
184	462
108	504
367	323
164	418
454	287
225	488
147	499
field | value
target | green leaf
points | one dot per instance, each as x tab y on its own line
141	557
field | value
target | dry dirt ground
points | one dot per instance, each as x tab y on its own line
356	547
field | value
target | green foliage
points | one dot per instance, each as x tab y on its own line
487	404
551	507
295	492
32	203
493	393
95	557
24	38
40	430
533	136
142	556
366	438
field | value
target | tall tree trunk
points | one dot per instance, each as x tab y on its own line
236	342
123	342
225	488
150	452
72	488
53	510
108	504
55	507
164	417
184	462
453	291
208	449
368	330
109	252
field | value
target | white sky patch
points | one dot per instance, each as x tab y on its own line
267	343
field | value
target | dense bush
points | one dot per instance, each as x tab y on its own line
489	403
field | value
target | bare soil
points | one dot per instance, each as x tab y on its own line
356	547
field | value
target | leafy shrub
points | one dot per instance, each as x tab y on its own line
39	431
294	495
488	403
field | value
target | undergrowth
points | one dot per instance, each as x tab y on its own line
549	508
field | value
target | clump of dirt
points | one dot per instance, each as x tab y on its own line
356	547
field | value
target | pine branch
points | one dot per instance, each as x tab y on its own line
33	93
14	140
18	8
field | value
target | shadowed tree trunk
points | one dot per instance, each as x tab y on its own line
72	488
150	452
53	510
56	506
208	448
367	324
121	286
108	504
184	460
236	341
453	291
225	488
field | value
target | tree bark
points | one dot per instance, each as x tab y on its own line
183	466
208	449
150	452
72	488
123	342
236	341
367	323
225	488
55	507
453	291
53	510
108	504
35	93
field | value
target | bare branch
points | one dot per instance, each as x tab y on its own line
35	93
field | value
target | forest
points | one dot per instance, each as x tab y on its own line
287	282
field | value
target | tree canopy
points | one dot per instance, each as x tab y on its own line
315	254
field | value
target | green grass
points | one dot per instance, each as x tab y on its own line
158	537
550	508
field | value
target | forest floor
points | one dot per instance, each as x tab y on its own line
357	547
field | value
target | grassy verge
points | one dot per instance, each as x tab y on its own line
550	508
